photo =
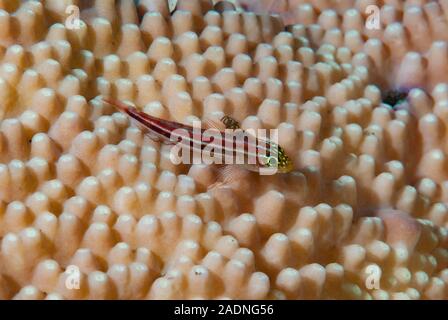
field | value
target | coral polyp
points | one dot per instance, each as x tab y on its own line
84	192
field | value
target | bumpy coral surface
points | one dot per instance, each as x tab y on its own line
364	215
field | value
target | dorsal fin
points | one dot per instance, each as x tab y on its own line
210	122
230	123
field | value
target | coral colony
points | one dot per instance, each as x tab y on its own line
91	207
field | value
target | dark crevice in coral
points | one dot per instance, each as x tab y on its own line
394	97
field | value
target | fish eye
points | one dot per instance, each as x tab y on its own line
272	161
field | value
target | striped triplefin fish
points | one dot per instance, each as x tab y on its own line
220	141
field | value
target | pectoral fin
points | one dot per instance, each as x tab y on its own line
228	175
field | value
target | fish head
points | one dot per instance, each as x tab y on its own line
277	159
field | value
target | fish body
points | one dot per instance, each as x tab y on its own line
232	144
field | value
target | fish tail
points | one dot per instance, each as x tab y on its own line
117	104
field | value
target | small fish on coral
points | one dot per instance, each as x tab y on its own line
255	153
82	188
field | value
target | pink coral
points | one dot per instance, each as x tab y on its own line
82	187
